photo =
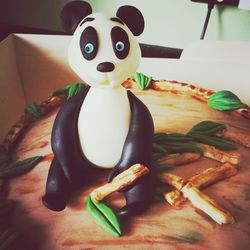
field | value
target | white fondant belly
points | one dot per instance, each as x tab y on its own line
103	125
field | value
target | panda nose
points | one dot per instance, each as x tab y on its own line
105	67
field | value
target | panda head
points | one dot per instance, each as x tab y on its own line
103	51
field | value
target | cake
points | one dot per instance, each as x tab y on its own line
176	108
161	224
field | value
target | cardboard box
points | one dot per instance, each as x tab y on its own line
32	66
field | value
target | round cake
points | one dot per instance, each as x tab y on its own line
122	164
174	109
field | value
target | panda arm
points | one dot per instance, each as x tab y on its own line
137	149
138	144
64	140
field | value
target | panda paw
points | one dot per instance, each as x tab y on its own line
54	202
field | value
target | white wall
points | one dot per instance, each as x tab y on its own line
173	23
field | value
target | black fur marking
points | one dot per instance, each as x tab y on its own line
70	169
132	17
116	19
137	149
72	14
119	36
88	19
89	37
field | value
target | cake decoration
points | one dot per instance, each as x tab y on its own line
170	148
69	90
225	100
142	80
164	160
34	110
20	167
103	125
104	216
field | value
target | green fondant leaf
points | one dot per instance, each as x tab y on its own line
104	216
207	128
20	167
203	132
173	143
225	100
158	148
163	167
214	141
142	81
34	110
69	90
173	137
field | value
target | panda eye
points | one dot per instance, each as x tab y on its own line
120	46
89	43
120	42
89	48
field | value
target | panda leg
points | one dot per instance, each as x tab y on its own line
57	188
138	198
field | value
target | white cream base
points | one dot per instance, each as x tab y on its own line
103	125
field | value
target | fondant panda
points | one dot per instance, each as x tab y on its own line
104	125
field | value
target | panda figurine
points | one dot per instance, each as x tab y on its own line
104	125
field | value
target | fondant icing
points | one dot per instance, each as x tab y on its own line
104	125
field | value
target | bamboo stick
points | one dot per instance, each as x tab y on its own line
219	155
122	180
199	199
202	180
179	159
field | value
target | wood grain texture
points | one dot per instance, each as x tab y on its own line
162	226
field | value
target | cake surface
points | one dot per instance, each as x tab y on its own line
161	226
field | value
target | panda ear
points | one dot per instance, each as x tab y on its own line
132	17
72	14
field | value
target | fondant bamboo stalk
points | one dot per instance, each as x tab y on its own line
179	159
199	199
207	205
219	155
181	88
202	180
122	180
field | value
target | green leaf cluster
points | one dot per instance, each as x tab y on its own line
20	167
142	81
69	90
104	216
206	132
225	100
34	110
173	143
203	132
